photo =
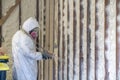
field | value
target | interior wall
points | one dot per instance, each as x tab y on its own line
8	29
0	26
83	35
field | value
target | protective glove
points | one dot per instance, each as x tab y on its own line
46	55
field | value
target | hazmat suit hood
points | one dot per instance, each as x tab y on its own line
30	24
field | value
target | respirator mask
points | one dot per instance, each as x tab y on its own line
34	33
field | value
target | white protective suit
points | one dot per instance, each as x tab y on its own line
24	52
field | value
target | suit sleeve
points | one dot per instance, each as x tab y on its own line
28	50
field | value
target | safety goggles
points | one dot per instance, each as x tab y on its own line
36	29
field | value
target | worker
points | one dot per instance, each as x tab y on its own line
24	51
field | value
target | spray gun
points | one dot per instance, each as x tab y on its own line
53	55
45	53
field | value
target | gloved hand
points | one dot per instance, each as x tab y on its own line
46	55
